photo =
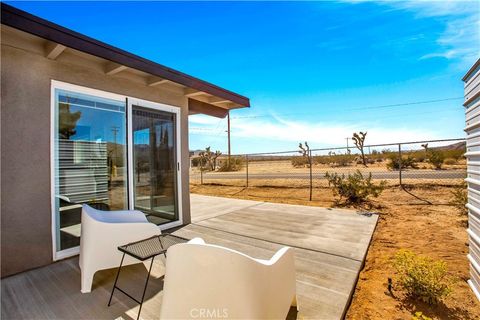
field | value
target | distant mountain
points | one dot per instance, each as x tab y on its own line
455	146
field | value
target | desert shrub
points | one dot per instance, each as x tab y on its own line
235	164
422	277
407	162
420	157
460	198
379	160
341	160
436	158
420	316
450	161
355	188
300	161
321	159
456	154
198	162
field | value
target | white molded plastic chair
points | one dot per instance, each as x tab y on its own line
209	281
102	232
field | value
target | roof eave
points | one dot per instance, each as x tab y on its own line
29	23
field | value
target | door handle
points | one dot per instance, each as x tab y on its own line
178	166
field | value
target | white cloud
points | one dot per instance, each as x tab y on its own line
202	119
323	134
460	40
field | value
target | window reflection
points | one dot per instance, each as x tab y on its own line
90	161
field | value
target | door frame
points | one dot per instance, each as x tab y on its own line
55	84
178	154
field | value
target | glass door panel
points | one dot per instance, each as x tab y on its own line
90	160
154	164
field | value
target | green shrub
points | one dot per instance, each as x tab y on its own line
407	162
300	161
198	162
456	154
436	158
355	188
341	160
420	316
460	198
235	164
422	277
450	161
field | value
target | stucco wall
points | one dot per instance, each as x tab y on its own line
25	148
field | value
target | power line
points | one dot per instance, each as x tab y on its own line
373	117
357	108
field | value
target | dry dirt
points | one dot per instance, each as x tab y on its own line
436	230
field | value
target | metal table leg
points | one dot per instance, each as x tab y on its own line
116	279
145	288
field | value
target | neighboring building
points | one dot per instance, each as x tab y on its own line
85	122
472	112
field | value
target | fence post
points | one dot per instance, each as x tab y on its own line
400	163
246	167
311	177
201	176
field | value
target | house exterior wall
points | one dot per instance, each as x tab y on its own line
26	236
472	112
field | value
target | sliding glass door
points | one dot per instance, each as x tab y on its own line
89	159
154	164
113	153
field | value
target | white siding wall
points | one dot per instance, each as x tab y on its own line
472	119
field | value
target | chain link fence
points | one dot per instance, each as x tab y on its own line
406	164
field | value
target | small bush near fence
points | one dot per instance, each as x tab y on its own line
422	277
235	164
460	198
394	162
354	188
300	162
436	158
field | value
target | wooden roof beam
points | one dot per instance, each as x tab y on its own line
53	50
113	68
156	82
218	101
189	92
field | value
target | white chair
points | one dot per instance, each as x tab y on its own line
102	232
209	281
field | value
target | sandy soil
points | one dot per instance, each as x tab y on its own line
436	230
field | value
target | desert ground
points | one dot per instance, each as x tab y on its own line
436	230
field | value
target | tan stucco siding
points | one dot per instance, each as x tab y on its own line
25	147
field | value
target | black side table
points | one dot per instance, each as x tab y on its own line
142	250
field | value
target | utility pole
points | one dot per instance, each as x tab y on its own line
113	169
115	130
347	143
228	132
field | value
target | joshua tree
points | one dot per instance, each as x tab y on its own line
305	151
425	146
209	158
359	139
67	121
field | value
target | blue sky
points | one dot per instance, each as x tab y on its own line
315	71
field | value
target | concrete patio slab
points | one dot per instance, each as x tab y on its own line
329	246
